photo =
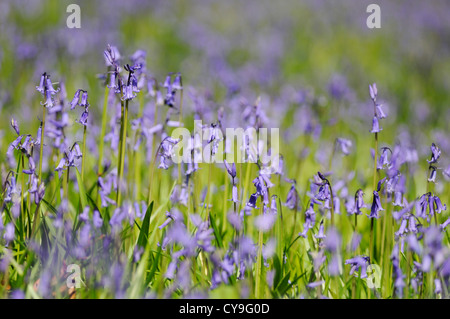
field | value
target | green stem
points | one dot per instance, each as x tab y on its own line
83	158
41	150
180	120
103	131
123	144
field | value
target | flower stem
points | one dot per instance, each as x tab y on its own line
180	120
83	158
41	150
123	144
103	132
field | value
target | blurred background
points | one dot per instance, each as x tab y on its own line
247	47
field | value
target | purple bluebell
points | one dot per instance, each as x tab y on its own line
84	216
252	201
398	199
310	220
15	126
332	244
292	197
324	192
376	205
234	192
84	99
373	91
75	100
170	218
445	224
359	202
177	82
321	234
375	125
383	159
265	222
432	177
403	226
435	154
41	87
9	234
235	220
399	277
231	169
379	111
439	206
84	117
344	145
97	219
357	263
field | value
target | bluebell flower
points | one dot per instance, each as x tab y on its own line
359	202
435	154
15	126
84	99
231	169
344	145
357	263
379	111
235	220
41	87
399	283
375	125
310	220
265	222
439	206
324	192
9	234
177	82
376	205
432	177
84	117
445	224
75	100
97	219
320	234
383	159
234	196
292	197
373	91
252	201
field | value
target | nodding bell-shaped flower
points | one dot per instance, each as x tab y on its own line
344	145
357	263
84	117
41	87
84	99
75	100
128	93
321	234
49	86
376	205
231	169
432	177
252	201
292	198
177	82
15	126
435	154
375	125
373	91
359	202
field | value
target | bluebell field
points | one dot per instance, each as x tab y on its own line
93	204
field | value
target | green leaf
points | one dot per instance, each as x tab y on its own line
143	234
216	231
82	190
